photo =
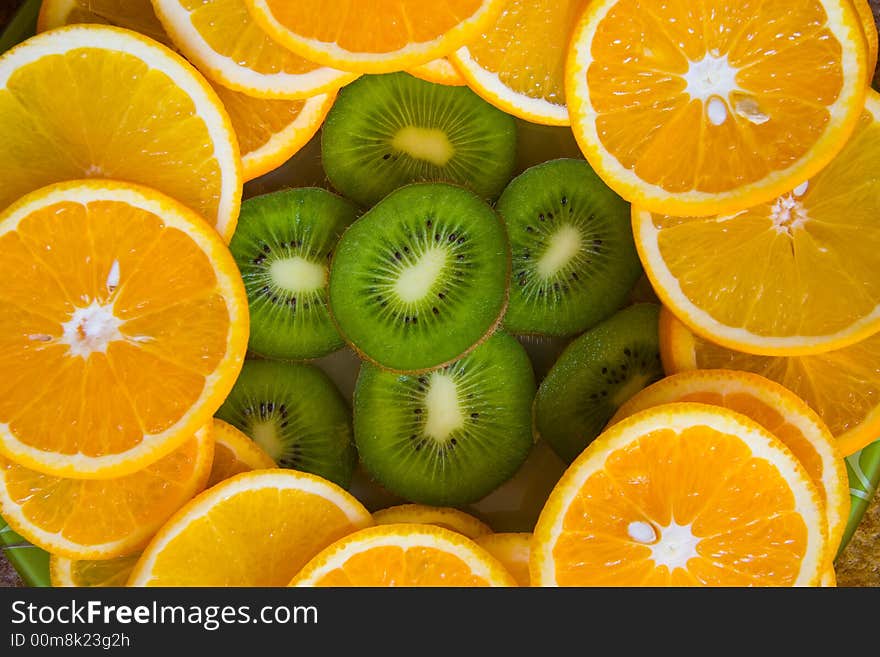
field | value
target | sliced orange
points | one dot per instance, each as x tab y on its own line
795	276
711	108
234	453
512	549
842	386
440	516
869	25
95	101
103	518
88	573
222	40
137	15
682	494
404	555
439	71
518	64
255	529
775	408
374	36
269	131
123	320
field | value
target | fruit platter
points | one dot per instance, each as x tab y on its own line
475	293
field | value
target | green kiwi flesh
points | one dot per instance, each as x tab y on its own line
573	254
283	245
452	435
295	413
385	131
595	375
421	278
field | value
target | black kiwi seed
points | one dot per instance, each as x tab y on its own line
578	261
297	415
441	298
281	244
595	375
385	131
452	436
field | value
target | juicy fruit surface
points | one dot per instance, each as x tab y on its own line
776	409
224	42
255	529
404	555
86	573
137	15
234	453
783	293
682	495
518	64
376	36
385	131
81	102
295	413
574	260
513	550
103	518
598	371
283	246
128	329
450	436
421	278
657	93
842	386
448	517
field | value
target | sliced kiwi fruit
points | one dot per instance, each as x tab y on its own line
295	413
574	258
421	278
450	436
283	246
595	375
385	131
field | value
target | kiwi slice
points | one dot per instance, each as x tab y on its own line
385	131
421	278
595	375
574	258
283	245
295	413
450	436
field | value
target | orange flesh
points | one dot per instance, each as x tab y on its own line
173	331
738	506
647	119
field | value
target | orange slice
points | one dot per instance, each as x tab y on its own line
269	131
869	25
374	36
123	319
512	549
440	516
255	529
85	573
796	276
404	555
439	71
775	408
94	101
682	495
518	64
103	518
842	386
137	15
222	40
235	453
712	109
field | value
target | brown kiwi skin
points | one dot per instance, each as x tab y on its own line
489	332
